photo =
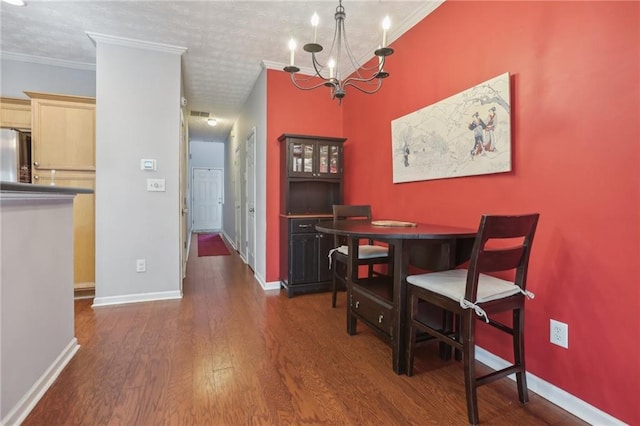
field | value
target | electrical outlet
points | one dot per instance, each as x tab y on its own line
559	334
141	265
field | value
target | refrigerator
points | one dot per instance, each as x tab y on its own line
15	156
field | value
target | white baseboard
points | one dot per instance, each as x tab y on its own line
229	240
22	409
559	397
274	285
135	298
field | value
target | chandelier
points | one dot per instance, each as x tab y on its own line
365	79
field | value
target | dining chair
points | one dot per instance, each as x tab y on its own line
471	293
368	254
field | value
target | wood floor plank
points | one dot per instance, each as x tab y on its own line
229	353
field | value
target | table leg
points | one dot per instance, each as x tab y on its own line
352	267
400	308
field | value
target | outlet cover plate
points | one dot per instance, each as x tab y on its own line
559	333
141	265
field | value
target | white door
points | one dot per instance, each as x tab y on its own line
207	199
251	199
238	199
184	191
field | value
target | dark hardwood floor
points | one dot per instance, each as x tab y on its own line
230	354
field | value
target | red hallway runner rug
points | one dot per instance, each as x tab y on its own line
211	245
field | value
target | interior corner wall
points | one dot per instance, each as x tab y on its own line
137	117
291	110
575	89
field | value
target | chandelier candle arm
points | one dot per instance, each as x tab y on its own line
334	81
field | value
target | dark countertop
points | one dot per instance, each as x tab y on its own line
29	187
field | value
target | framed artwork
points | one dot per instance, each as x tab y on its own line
466	134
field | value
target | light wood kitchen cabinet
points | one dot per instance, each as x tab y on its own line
15	113
63	132
83	223
63	149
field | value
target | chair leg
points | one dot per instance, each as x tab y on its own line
468	355
518	354
334	287
411	335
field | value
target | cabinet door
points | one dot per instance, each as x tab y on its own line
83	223
302	158
304	259
329	159
63	135
325	244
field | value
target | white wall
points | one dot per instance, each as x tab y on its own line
19	76
253	114
207	154
36	298
137	116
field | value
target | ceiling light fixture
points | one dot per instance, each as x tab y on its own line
358	80
16	2
212	122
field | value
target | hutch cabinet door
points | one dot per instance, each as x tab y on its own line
303	267
325	244
329	159
302	158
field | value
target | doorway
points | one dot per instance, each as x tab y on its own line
207	199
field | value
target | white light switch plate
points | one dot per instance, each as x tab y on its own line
155	185
147	164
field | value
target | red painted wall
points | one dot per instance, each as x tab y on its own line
290	110
576	160
575	98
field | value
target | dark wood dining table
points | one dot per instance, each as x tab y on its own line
381	304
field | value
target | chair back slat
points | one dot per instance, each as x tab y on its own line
341	212
485	259
345	212
500	259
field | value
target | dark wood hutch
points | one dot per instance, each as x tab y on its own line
311	179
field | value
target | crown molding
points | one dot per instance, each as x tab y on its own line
138	44
20	57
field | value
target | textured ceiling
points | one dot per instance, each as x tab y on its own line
227	41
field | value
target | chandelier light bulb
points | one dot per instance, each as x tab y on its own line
386	24
292	47
314	23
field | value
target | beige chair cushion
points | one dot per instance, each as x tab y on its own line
453	283
366	251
